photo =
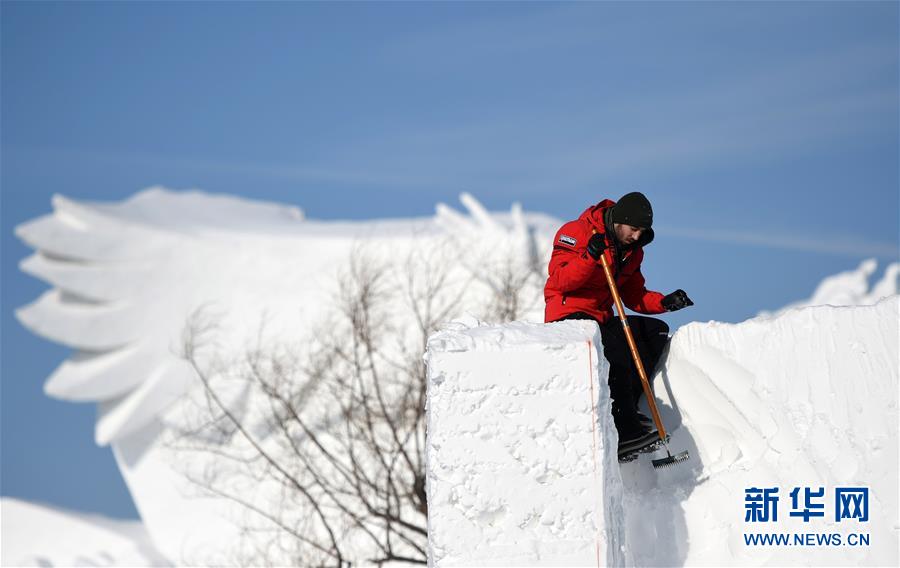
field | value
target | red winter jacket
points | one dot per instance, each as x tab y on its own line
577	282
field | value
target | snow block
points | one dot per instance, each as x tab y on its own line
521	448
806	399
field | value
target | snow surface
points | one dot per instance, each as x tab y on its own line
805	397
512	411
39	535
808	399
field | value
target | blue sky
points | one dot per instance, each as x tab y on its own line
765	134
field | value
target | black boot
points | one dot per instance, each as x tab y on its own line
633	433
637	441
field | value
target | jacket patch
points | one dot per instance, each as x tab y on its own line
566	239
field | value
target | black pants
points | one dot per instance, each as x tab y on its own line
651	336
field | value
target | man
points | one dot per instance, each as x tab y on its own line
577	289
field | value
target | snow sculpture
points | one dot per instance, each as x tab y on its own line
521	449
804	397
127	276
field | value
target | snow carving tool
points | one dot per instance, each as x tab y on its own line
645	383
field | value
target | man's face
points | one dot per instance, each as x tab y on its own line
627	234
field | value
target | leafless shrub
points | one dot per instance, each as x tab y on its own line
324	451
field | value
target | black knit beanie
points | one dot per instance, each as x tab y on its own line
633	209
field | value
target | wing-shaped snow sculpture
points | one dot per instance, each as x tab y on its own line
127	277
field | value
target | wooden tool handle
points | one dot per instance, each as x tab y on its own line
631	345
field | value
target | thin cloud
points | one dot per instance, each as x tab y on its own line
755	115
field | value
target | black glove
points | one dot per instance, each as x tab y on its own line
676	300
596	245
